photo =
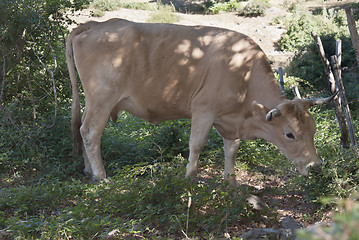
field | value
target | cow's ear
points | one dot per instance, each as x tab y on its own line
259	111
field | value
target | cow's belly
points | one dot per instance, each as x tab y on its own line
154	112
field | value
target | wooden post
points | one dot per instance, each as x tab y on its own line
353	31
281	80
338	80
344	138
296	91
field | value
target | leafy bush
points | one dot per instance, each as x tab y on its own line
35	89
330	25
300	25
165	14
111	5
345	224
106	5
223	6
255	8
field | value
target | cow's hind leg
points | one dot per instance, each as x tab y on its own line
230	151
200	128
93	124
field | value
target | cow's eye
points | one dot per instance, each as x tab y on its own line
289	135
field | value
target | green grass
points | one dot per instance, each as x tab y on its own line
47	197
165	14
111	5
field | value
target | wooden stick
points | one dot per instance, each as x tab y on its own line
344	138
296	91
338	79
281	80
353	31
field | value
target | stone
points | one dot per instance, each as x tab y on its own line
256	202
262	233
289	227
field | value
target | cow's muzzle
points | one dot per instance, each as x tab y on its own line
314	167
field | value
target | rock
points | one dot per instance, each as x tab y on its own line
256	202
262	233
112	235
287	233
289	227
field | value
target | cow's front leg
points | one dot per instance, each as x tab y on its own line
200	128
230	151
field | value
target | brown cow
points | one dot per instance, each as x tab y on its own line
160	72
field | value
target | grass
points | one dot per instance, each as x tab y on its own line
165	14
145	200
147	195
162	13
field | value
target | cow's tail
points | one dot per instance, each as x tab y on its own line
75	108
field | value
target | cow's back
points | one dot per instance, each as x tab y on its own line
161	71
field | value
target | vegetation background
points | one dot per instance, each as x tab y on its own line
44	195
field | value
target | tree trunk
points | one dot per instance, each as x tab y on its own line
353	31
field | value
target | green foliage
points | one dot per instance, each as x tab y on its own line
255	8
330	25
112	5
165	14
106	5
301	24
345	224
35	89
223	6
144	200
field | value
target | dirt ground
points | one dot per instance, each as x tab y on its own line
266	35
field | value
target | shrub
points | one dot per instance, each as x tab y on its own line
345	224
255	8
306	64
226	6
111	5
301	24
106	5
165	14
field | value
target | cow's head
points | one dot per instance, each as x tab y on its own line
291	128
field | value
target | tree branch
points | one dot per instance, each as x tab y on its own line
51	72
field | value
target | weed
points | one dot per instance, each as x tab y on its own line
345	223
106	5
101	6
223	6
165	14
255	8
